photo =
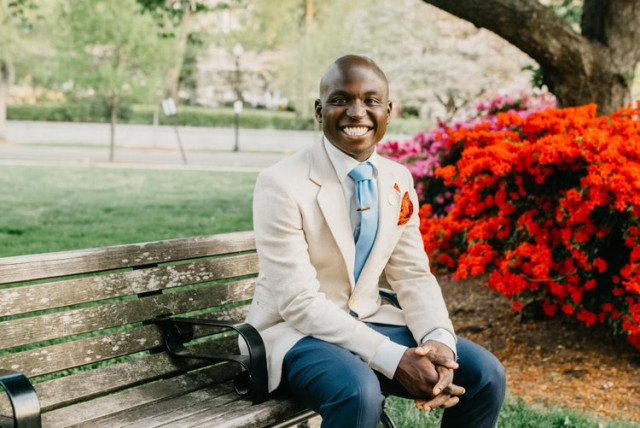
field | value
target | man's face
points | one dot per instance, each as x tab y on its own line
354	108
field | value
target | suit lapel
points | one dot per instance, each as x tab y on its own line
331	202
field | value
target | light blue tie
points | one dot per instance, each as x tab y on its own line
368	209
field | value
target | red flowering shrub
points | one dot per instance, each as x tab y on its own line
426	151
549	205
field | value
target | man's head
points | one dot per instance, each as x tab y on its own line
354	107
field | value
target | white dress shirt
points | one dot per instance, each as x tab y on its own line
389	354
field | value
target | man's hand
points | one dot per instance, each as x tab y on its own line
427	371
445	393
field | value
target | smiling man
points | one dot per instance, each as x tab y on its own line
333	223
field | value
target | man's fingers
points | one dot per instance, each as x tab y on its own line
451	402
441	360
436	401
455	390
445	377
423	350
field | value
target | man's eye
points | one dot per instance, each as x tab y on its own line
371	101
339	101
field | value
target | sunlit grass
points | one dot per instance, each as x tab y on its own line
59	208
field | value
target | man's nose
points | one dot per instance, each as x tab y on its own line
356	109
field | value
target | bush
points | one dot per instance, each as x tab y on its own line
429	150
78	111
549	205
97	111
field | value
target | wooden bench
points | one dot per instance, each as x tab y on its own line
93	338
83	327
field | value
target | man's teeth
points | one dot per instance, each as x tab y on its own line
356	131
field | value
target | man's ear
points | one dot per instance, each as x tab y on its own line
318	106
389	110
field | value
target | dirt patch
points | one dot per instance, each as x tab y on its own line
554	362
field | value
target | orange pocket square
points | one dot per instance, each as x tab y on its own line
406	209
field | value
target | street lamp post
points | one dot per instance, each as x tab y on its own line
237	105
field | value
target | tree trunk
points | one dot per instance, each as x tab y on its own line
596	65
113	116
5	69
173	74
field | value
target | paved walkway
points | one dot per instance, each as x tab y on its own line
62	143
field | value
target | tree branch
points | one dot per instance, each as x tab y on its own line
527	24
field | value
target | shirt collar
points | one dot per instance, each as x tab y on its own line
343	163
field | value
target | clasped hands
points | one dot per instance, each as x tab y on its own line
426	372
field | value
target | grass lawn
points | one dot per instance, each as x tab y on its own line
515	414
59	208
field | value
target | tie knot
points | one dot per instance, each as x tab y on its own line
363	171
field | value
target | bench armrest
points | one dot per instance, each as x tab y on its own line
23	399
254	380
389	296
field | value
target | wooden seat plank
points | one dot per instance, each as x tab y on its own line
152	397
23	299
240	414
171	411
67	323
63	263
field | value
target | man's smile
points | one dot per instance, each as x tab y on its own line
355	131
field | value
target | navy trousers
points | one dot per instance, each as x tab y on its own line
346	392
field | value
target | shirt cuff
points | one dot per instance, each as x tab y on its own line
387	358
443	336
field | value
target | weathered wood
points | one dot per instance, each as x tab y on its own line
23	299
126	407
62	356
86	385
52	265
173	411
62	324
240	413
136	383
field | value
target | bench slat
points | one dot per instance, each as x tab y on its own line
58	294
132	404
53	358
51	265
172	411
82	386
240	414
62	324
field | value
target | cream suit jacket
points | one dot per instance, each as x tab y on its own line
306	251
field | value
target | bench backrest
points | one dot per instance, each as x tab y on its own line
80	324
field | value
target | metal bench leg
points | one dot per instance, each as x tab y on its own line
386	420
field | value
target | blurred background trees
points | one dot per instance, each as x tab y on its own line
110	51
112	55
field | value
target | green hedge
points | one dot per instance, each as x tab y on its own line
142	114
97	111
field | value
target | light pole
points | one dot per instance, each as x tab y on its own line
237	105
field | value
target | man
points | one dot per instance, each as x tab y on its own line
331	223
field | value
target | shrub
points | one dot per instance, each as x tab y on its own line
97	111
94	110
429	150
549	205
